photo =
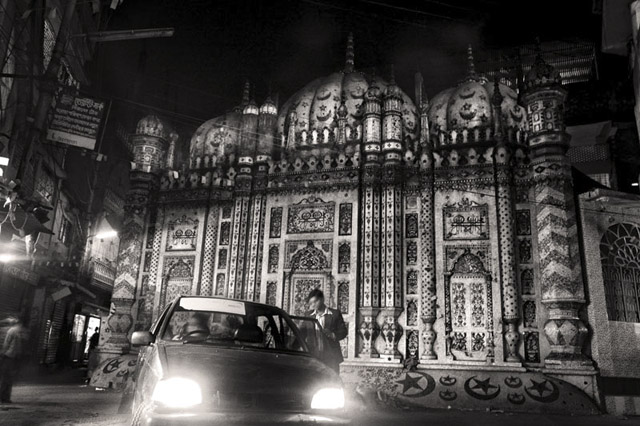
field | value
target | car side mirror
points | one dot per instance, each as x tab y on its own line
141	338
249	333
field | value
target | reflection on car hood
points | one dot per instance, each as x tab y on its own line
246	370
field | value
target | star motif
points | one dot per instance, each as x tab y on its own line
447	394
410	383
323	108
540	387
484	385
466	107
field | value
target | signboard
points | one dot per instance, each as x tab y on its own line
76	121
21	274
60	294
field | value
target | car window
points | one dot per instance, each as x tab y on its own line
256	326
156	325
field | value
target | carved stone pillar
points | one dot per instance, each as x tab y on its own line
256	232
507	255
236	287
122	317
368	332
369	291
561	280
427	257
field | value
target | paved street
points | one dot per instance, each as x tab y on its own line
62	399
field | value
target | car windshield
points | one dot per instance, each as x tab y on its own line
233	323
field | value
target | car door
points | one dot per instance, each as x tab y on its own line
310	329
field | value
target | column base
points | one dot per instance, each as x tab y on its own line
564	361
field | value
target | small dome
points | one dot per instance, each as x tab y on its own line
216	138
373	93
268	107
251	108
468	106
152	125
542	74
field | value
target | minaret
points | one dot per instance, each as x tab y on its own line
149	145
427	225
266	129
422	101
341	115
505	215
242	195
391	219
349	63
369	303
392	125
267	120
562	286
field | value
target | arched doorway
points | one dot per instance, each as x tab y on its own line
308	269
469	309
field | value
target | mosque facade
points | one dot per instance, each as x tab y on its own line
447	231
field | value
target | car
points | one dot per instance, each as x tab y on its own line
212	360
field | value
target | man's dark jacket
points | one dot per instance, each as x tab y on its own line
334	323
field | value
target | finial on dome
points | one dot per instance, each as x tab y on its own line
342	109
470	61
497	96
392	77
349	64
246	92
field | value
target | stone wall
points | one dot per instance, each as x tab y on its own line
614	345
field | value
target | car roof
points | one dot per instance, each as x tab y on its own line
246	302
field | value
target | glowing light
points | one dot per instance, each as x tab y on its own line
635	184
106	235
328	399
7	257
177	393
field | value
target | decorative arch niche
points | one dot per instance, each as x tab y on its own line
620	258
468	305
307	267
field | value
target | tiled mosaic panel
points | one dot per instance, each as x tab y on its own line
345	219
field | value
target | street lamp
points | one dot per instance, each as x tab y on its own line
105	231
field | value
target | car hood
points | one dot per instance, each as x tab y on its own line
246	370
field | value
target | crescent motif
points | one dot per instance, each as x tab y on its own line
323	95
470	95
555	392
323	118
448	395
358	94
516	398
516	117
474	394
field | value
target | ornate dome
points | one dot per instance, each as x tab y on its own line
216	138
152	125
469	106
318	105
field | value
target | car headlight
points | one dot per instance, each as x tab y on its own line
328	399
177	393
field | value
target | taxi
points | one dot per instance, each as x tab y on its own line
210	360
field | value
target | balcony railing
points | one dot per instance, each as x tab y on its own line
103	272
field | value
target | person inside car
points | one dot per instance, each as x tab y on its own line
196	324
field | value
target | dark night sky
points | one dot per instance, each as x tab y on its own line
285	44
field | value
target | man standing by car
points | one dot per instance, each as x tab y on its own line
331	325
